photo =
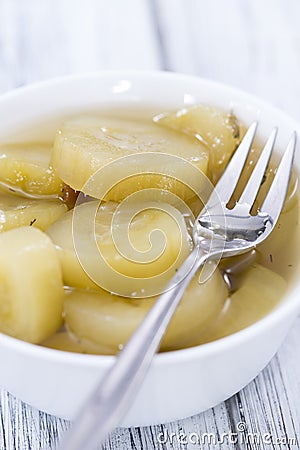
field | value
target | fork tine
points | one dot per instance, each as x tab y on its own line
252	187
274	200
227	183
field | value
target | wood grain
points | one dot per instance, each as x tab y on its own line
253	45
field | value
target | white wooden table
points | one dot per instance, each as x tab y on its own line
251	44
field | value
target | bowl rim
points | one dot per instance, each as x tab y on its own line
284	308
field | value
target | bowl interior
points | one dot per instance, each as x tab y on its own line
36	111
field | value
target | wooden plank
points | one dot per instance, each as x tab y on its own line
40	40
270	403
252	45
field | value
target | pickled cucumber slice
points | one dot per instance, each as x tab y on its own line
25	167
277	252
17	212
31	289
86	144
108	320
217	130
62	340
260	290
125	275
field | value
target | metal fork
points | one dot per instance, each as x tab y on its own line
216	233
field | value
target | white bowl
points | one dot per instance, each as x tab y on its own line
179	383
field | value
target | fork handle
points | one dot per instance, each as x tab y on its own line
108	403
